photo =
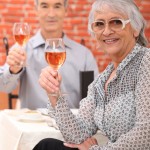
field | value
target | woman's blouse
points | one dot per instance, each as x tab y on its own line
122	113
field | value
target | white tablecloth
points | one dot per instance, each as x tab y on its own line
18	135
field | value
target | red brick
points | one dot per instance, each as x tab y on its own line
75	24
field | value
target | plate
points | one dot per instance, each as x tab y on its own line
31	117
43	111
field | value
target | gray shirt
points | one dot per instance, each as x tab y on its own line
31	95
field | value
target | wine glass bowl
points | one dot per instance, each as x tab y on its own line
55	55
21	33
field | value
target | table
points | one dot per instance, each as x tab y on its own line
21	135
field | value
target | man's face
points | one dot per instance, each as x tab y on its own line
51	14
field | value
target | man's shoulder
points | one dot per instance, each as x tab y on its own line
36	40
35	36
74	44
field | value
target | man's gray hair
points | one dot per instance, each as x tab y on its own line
65	2
126	7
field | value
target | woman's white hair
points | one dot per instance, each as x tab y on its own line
126	7
65	2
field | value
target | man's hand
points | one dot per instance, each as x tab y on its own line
15	59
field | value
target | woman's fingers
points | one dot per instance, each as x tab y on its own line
48	80
83	146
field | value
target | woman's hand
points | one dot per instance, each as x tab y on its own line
85	145
50	81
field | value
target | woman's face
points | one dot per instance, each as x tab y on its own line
117	44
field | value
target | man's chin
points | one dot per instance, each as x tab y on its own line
52	30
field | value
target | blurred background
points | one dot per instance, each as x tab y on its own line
75	26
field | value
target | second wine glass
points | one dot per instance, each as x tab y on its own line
55	54
21	33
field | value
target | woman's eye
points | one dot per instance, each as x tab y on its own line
117	22
99	24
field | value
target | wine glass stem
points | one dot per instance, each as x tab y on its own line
55	94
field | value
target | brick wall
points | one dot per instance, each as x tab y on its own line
75	25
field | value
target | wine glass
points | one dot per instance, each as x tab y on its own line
55	54
21	33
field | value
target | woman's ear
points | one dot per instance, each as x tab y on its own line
136	33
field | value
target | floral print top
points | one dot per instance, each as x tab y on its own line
122	114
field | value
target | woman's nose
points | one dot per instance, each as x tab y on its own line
107	30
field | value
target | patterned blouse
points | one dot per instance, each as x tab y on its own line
122	114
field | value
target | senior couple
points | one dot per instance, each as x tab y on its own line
118	100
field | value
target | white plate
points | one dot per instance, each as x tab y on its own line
43	111
31	117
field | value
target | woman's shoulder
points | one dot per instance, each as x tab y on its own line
146	56
145	62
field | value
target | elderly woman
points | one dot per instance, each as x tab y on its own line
118	101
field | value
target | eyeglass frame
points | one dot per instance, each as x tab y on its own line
124	23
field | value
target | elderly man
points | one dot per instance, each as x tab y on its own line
51	15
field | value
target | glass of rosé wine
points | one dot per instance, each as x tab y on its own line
21	33
55	54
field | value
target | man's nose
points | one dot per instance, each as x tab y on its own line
51	12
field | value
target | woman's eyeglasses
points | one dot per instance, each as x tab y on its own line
114	24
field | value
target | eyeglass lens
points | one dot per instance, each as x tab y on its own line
113	24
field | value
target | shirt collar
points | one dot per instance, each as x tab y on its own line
137	48
106	73
38	40
67	41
